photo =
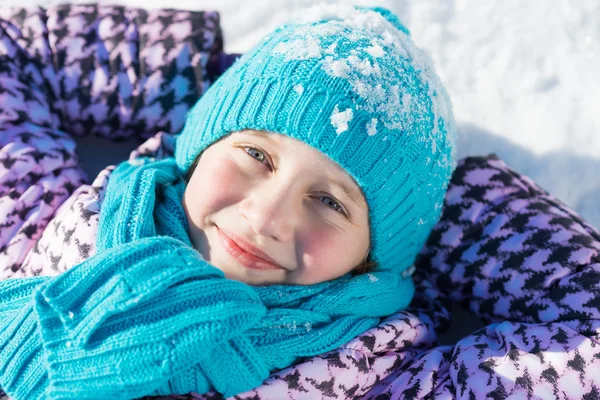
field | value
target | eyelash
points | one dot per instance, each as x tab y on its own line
247	149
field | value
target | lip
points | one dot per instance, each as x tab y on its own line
244	253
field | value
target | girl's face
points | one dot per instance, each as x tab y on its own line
268	209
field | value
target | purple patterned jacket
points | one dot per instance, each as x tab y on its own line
505	249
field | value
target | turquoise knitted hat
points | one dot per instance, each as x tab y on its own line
351	83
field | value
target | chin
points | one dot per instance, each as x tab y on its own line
251	280
249	277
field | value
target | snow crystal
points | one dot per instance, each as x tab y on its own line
339	68
308	326
313	48
299	89
342	67
376	51
366	68
340	119
291	326
136	162
372	127
431	93
373	278
408	272
375	94
299	49
71	315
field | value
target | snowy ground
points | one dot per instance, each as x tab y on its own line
524	76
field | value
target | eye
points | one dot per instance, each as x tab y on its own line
258	155
334	205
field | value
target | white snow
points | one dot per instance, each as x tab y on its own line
409	271
300	49
376	51
340	119
331	49
523	76
372	127
337	68
368	80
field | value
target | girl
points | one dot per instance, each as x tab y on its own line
505	248
330	143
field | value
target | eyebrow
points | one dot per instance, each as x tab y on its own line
262	134
349	191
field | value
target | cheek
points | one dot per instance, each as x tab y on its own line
328	254
215	185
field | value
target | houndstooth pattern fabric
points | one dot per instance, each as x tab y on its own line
530	266
110	71
506	249
113	71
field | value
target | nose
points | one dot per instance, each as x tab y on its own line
270	211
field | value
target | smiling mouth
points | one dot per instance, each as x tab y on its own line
242	256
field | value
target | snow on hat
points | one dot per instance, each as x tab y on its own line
350	82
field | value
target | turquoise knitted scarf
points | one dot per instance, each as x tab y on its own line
147	315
